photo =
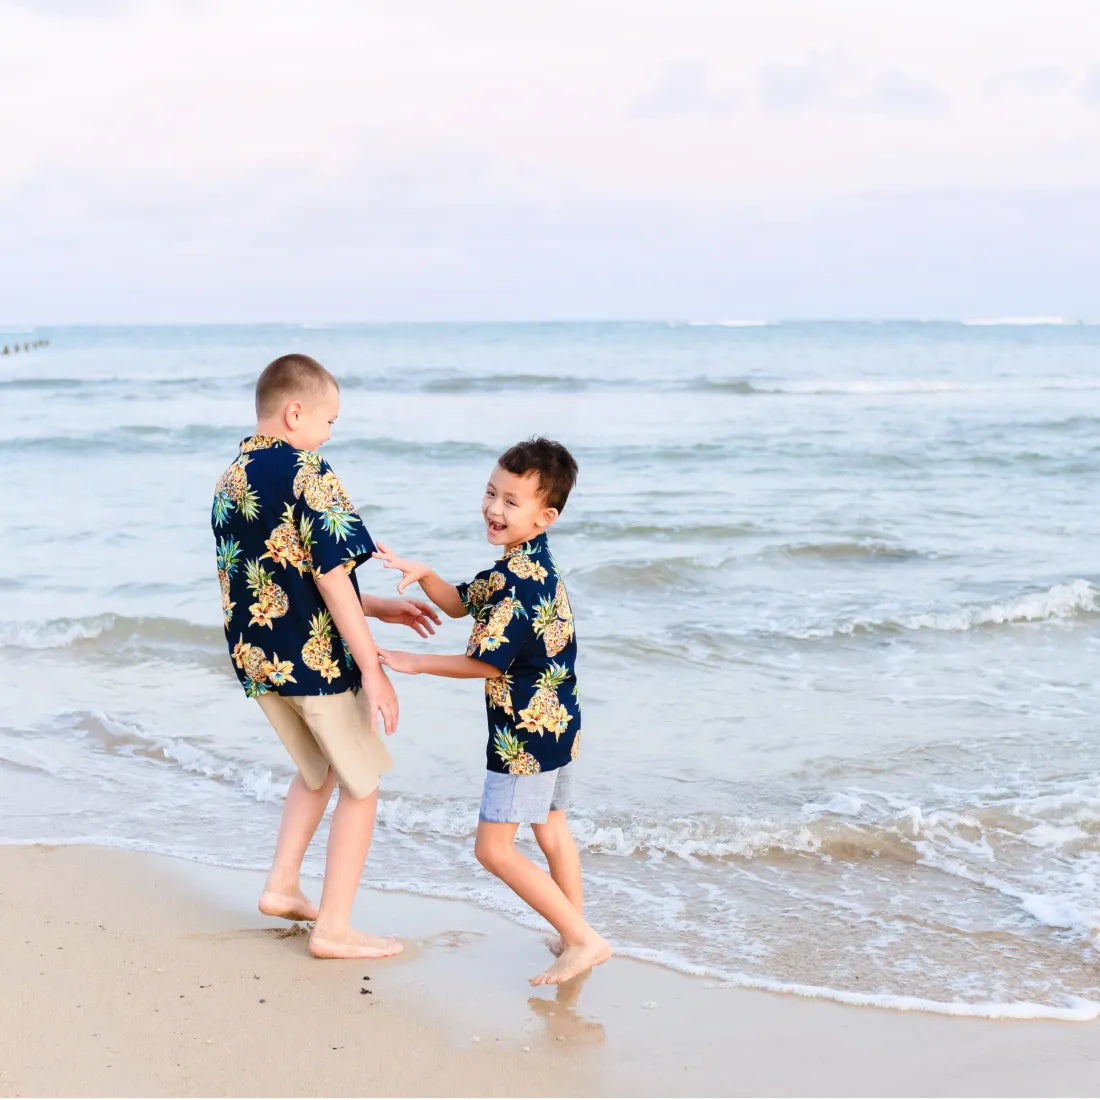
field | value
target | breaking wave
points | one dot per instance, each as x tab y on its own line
997	322
109	632
1062	602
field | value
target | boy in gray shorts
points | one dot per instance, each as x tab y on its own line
524	645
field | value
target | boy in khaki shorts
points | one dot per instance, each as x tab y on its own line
288	539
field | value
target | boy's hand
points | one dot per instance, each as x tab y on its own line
411	571
400	661
381	697
415	614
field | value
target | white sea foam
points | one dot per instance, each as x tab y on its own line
55	633
1045	835
902	387
737	323
1057	603
1062	601
839	803
451	817
992	322
111	629
256	781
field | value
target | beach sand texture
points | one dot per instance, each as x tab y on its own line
129	974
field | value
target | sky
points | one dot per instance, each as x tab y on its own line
435	160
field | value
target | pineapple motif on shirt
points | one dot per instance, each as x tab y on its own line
523	625
280	516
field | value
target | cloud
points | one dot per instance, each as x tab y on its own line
1032	80
897	93
789	89
1042	81
189	158
949	254
80	9
684	88
831	82
1090	89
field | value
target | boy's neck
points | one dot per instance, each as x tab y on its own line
271	428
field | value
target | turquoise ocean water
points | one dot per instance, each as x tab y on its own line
837	602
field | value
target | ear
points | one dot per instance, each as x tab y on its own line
546	517
292	414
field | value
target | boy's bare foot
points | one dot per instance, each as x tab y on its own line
574	960
354	945
294	906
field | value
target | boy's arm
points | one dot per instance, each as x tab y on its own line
442	593
458	666
347	613
417	614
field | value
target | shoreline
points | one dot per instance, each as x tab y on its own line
137	974
202	871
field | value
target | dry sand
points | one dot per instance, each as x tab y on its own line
126	974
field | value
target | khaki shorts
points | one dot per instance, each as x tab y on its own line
322	731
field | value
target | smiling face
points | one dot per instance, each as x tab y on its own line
513	508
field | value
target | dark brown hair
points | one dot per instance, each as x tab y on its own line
556	467
286	376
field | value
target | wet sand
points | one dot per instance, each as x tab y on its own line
128	974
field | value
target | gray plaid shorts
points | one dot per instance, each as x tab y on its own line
526	799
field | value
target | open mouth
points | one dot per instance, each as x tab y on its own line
496	528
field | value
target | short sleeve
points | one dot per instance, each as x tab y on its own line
464	594
336	532
502	623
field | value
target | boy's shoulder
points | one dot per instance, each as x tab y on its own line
531	561
264	456
527	573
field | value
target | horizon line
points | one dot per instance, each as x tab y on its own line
1006	320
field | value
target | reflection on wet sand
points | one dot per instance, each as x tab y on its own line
563	1022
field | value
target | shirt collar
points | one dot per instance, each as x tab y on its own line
533	546
262	443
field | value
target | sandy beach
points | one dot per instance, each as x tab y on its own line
129	974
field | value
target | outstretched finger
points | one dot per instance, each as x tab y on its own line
430	612
421	621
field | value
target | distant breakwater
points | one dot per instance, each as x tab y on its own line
14	349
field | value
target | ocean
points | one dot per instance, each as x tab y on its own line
837	602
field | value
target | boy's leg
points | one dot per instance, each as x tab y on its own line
302	813
583	946
564	861
562	857
348	844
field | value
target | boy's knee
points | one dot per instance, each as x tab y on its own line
549	843
490	854
554	835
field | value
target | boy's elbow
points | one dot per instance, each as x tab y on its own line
328	580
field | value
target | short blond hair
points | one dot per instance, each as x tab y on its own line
288	376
